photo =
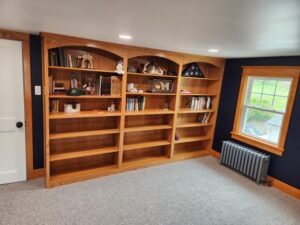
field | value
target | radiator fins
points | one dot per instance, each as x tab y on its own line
245	160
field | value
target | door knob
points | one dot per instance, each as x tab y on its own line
19	124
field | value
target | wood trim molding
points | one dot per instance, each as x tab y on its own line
38	173
10	35
288	189
266	71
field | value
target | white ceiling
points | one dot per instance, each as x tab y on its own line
238	28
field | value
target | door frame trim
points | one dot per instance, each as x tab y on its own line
24	38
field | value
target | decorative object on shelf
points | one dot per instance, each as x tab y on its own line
176	136
54	106
140	91
152	68
131	69
58	87
71	107
88	86
166	105
192	70
120	68
131	88
185	91
161	86
171	72
74	82
112	107
74	92
86	61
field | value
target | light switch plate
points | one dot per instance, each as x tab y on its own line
37	90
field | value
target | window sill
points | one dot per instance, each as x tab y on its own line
259	144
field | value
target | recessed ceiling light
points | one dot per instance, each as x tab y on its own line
213	50
125	37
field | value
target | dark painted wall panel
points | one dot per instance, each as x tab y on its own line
285	168
37	102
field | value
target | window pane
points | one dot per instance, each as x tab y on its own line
266	101
283	88
255	99
262	124
280	103
269	87
257	85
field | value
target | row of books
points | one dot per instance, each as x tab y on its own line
54	106
57	57
205	118
135	104
60	57
200	103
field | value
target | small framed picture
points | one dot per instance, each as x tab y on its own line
161	86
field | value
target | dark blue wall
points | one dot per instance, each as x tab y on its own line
37	102
285	168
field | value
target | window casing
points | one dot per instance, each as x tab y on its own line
264	107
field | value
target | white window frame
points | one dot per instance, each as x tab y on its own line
250	80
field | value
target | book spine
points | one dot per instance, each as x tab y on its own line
144	103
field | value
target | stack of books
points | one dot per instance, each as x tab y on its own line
135	104
201	102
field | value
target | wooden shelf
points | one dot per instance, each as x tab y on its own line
191	139
80	154
83	114
197	78
148	144
186	110
82	69
141	162
79	175
148	93
146	128
149	112
193	94
181	155
183	125
83	134
85	96
151	75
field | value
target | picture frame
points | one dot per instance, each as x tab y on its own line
161	86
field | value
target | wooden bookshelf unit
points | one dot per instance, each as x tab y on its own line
147	127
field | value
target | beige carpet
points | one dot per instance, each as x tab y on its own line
198	191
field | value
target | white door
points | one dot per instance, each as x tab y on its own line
12	138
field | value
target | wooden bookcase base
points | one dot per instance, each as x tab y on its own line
127	166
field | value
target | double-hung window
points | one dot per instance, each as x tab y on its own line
264	106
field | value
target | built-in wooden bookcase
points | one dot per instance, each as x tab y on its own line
160	128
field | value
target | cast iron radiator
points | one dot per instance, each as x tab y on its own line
245	160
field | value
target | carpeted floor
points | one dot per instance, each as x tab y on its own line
197	191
